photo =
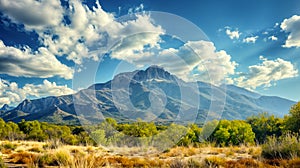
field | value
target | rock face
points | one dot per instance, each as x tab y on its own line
152	95
6	107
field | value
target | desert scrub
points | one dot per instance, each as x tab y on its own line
193	163
8	145
56	158
52	144
2	165
63	157
181	151
47	160
23	158
178	164
36	149
244	163
214	161
284	147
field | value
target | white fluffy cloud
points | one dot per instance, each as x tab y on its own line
233	34
32	13
273	38
292	26
24	62
11	93
195	60
74	31
266	73
93	31
250	39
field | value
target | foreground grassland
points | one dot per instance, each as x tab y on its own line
54	154
221	143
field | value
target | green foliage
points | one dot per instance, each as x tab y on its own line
47	159
9	130
170	136
139	129
9	145
233	133
285	147
2	165
264	125
192	136
109	132
33	130
208	129
214	161
99	137
293	119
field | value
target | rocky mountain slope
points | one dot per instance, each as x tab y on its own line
152	95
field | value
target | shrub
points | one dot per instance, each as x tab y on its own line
47	159
214	161
2	165
9	145
242	163
53	144
177	164
264	125
284	147
192	163
23	158
89	161
234	132
63	157
36	149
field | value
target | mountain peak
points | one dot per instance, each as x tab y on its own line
142	86
154	67
5	107
153	72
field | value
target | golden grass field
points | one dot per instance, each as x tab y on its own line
53	154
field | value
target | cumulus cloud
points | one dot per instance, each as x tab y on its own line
32	13
28	63
195	60
233	34
12	94
250	39
73	31
292	26
273	38
266	73
93	31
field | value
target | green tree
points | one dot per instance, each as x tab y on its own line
13	131
208	130
33	130
234	132
192	136
3	132
265	125
140	129
99	137
293	119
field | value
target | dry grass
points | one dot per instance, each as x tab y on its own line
23	158
181	152
38	154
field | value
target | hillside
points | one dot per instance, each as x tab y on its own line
152	95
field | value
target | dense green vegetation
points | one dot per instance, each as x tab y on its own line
260	129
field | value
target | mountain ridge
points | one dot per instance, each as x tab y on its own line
152	95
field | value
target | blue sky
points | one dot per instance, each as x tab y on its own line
49	47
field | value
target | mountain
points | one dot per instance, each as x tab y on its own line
242	91
5	108
152	95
